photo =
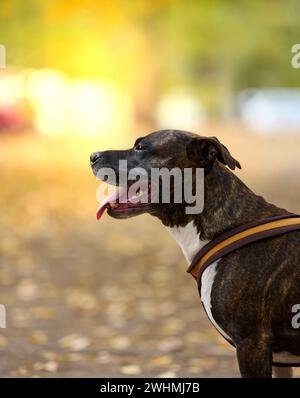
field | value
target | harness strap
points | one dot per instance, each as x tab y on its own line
239	237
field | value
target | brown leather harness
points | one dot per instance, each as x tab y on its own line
239	237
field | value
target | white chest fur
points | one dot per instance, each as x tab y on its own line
189	240
207	281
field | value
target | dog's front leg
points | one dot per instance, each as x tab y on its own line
255	358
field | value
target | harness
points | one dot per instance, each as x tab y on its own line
240	237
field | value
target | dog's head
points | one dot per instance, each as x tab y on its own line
166	149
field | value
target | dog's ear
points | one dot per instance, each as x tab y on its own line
205	150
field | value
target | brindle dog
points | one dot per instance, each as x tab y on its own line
249	294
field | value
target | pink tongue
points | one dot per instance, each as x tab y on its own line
118	194
100	211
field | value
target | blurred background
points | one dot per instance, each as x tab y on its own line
113	298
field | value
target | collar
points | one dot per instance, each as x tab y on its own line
239	237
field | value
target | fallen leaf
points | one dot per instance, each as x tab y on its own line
131	370
162	360
79	299
37	337
120	342
50	366
27	290
75	342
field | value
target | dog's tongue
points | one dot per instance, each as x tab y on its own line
120	192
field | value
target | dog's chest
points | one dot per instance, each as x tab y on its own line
207	281
189	240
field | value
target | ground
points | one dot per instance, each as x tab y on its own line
108	298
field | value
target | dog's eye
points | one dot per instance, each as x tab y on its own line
140	147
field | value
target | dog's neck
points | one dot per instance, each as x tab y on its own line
228	203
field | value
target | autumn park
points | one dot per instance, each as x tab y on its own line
112	298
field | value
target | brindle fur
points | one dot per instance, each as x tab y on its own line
255	286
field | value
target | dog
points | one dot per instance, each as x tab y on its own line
249	293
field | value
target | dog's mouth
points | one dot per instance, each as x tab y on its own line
124	200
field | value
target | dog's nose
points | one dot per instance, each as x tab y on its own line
94	157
